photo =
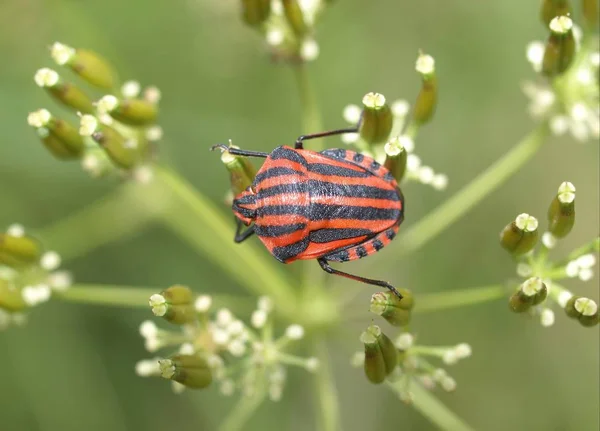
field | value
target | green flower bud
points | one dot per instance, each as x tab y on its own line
521	235
124	153
174	304
590	12
584	310
255	12
11	298
395	311
519	303
294	16
133	112
191	371
554	8
17	251
60	138
395	158
428	96
535	289
560	47
87	64
561	214
377	119
241	171
66	93
381	356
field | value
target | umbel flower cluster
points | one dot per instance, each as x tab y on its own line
116	132
29	275
213	344
541	290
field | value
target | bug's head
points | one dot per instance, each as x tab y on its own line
244	206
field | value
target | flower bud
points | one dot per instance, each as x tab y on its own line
17	251
521	235
381	356
377	119
590	12
191	371
584	310
241	171
124	153
554	8
535	289
561	214
427	98
87	64
519	303
133	112
395	311
58	136
11	298
560	47
396	157
174	304
295	16
255	12
66	93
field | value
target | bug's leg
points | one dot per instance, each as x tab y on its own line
238	152
242	236
301	139
325	266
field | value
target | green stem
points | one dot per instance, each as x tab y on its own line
459	298
470	195
121	214
243	411
135	297
432	408
196	220
329	409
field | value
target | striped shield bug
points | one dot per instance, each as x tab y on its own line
336	205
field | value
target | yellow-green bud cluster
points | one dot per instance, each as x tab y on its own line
395	311
561	214
175	305
381	356
191	371
560	47
530	293
427	98
377	119
520	236
584	310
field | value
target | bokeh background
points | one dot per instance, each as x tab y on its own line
71	367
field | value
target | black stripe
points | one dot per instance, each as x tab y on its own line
375	165
377	245
276	172
274	231
246	199
388	177
323	188
280	189
338	256
325	169
390	234
290	251
328	212
361	251
327	235
358	157
335	153
268	210
288	154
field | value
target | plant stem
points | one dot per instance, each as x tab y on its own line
470	195
196	220
459	298
136	297
432	408
112	218
329	409
243	410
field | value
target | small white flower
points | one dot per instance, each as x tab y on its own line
202	303
586	261
425	64
16	230
237	348
535	54
131	89
358	359
404	341
312	364
220	336
61	53
159	305
107	104
275	37
236	327
426	175
143	174
440	181
586	274
547	317
413	162
148	329
50	261
439	374
224	317
548	240
60	280
448	384
350	138
227	387
265	304
294	332
309	50
400	108
46	77
177	387
147	367
154	133
559	124
586	306
572	269
450	357
152	94
88	125
564	297
34	295
463	350
352	114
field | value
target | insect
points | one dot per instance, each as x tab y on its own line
336	205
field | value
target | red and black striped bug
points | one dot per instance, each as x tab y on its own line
335	205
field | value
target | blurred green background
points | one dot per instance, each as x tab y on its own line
71	367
